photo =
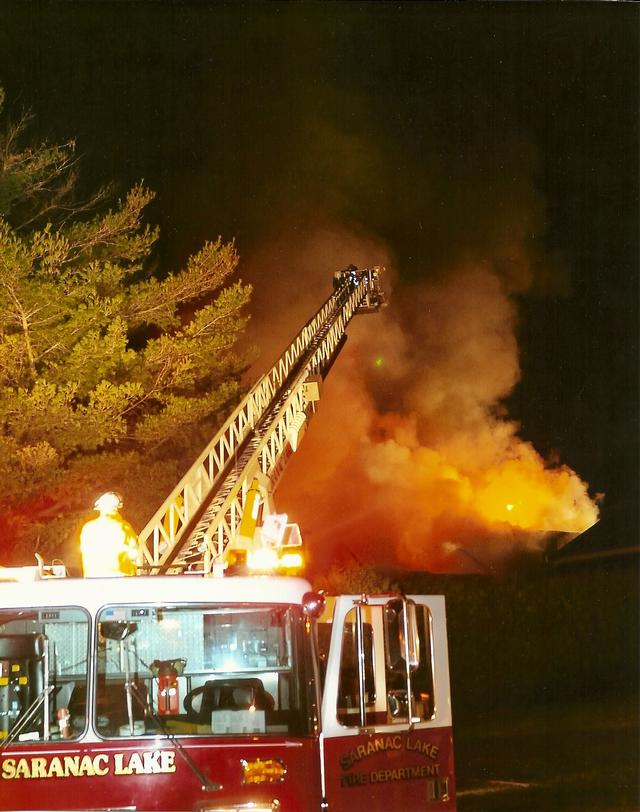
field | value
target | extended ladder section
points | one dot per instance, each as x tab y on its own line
200	517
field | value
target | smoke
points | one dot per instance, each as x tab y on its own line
292	276
412	458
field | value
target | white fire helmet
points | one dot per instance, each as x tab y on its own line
109	503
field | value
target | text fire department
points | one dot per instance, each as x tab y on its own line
381	743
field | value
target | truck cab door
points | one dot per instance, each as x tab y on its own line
386	742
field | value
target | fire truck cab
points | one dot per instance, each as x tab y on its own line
221	694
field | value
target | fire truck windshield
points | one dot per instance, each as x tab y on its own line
208	670
163	669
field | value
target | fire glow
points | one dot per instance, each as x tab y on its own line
445	473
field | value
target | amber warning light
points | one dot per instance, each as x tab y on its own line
267	771
276	547
265	544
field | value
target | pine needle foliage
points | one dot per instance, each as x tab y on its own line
110	376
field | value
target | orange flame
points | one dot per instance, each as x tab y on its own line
448	484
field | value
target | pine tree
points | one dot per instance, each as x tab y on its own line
110	377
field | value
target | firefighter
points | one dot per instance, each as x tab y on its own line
108	543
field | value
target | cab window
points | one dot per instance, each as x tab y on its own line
408	662
349	685
422	675
43	674
207	670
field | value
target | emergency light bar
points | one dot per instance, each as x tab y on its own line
272	547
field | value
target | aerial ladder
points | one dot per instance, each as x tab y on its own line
203	515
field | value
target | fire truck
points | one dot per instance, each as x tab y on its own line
208	692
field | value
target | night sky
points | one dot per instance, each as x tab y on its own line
427	137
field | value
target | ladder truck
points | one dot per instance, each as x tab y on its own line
202	515
175	691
